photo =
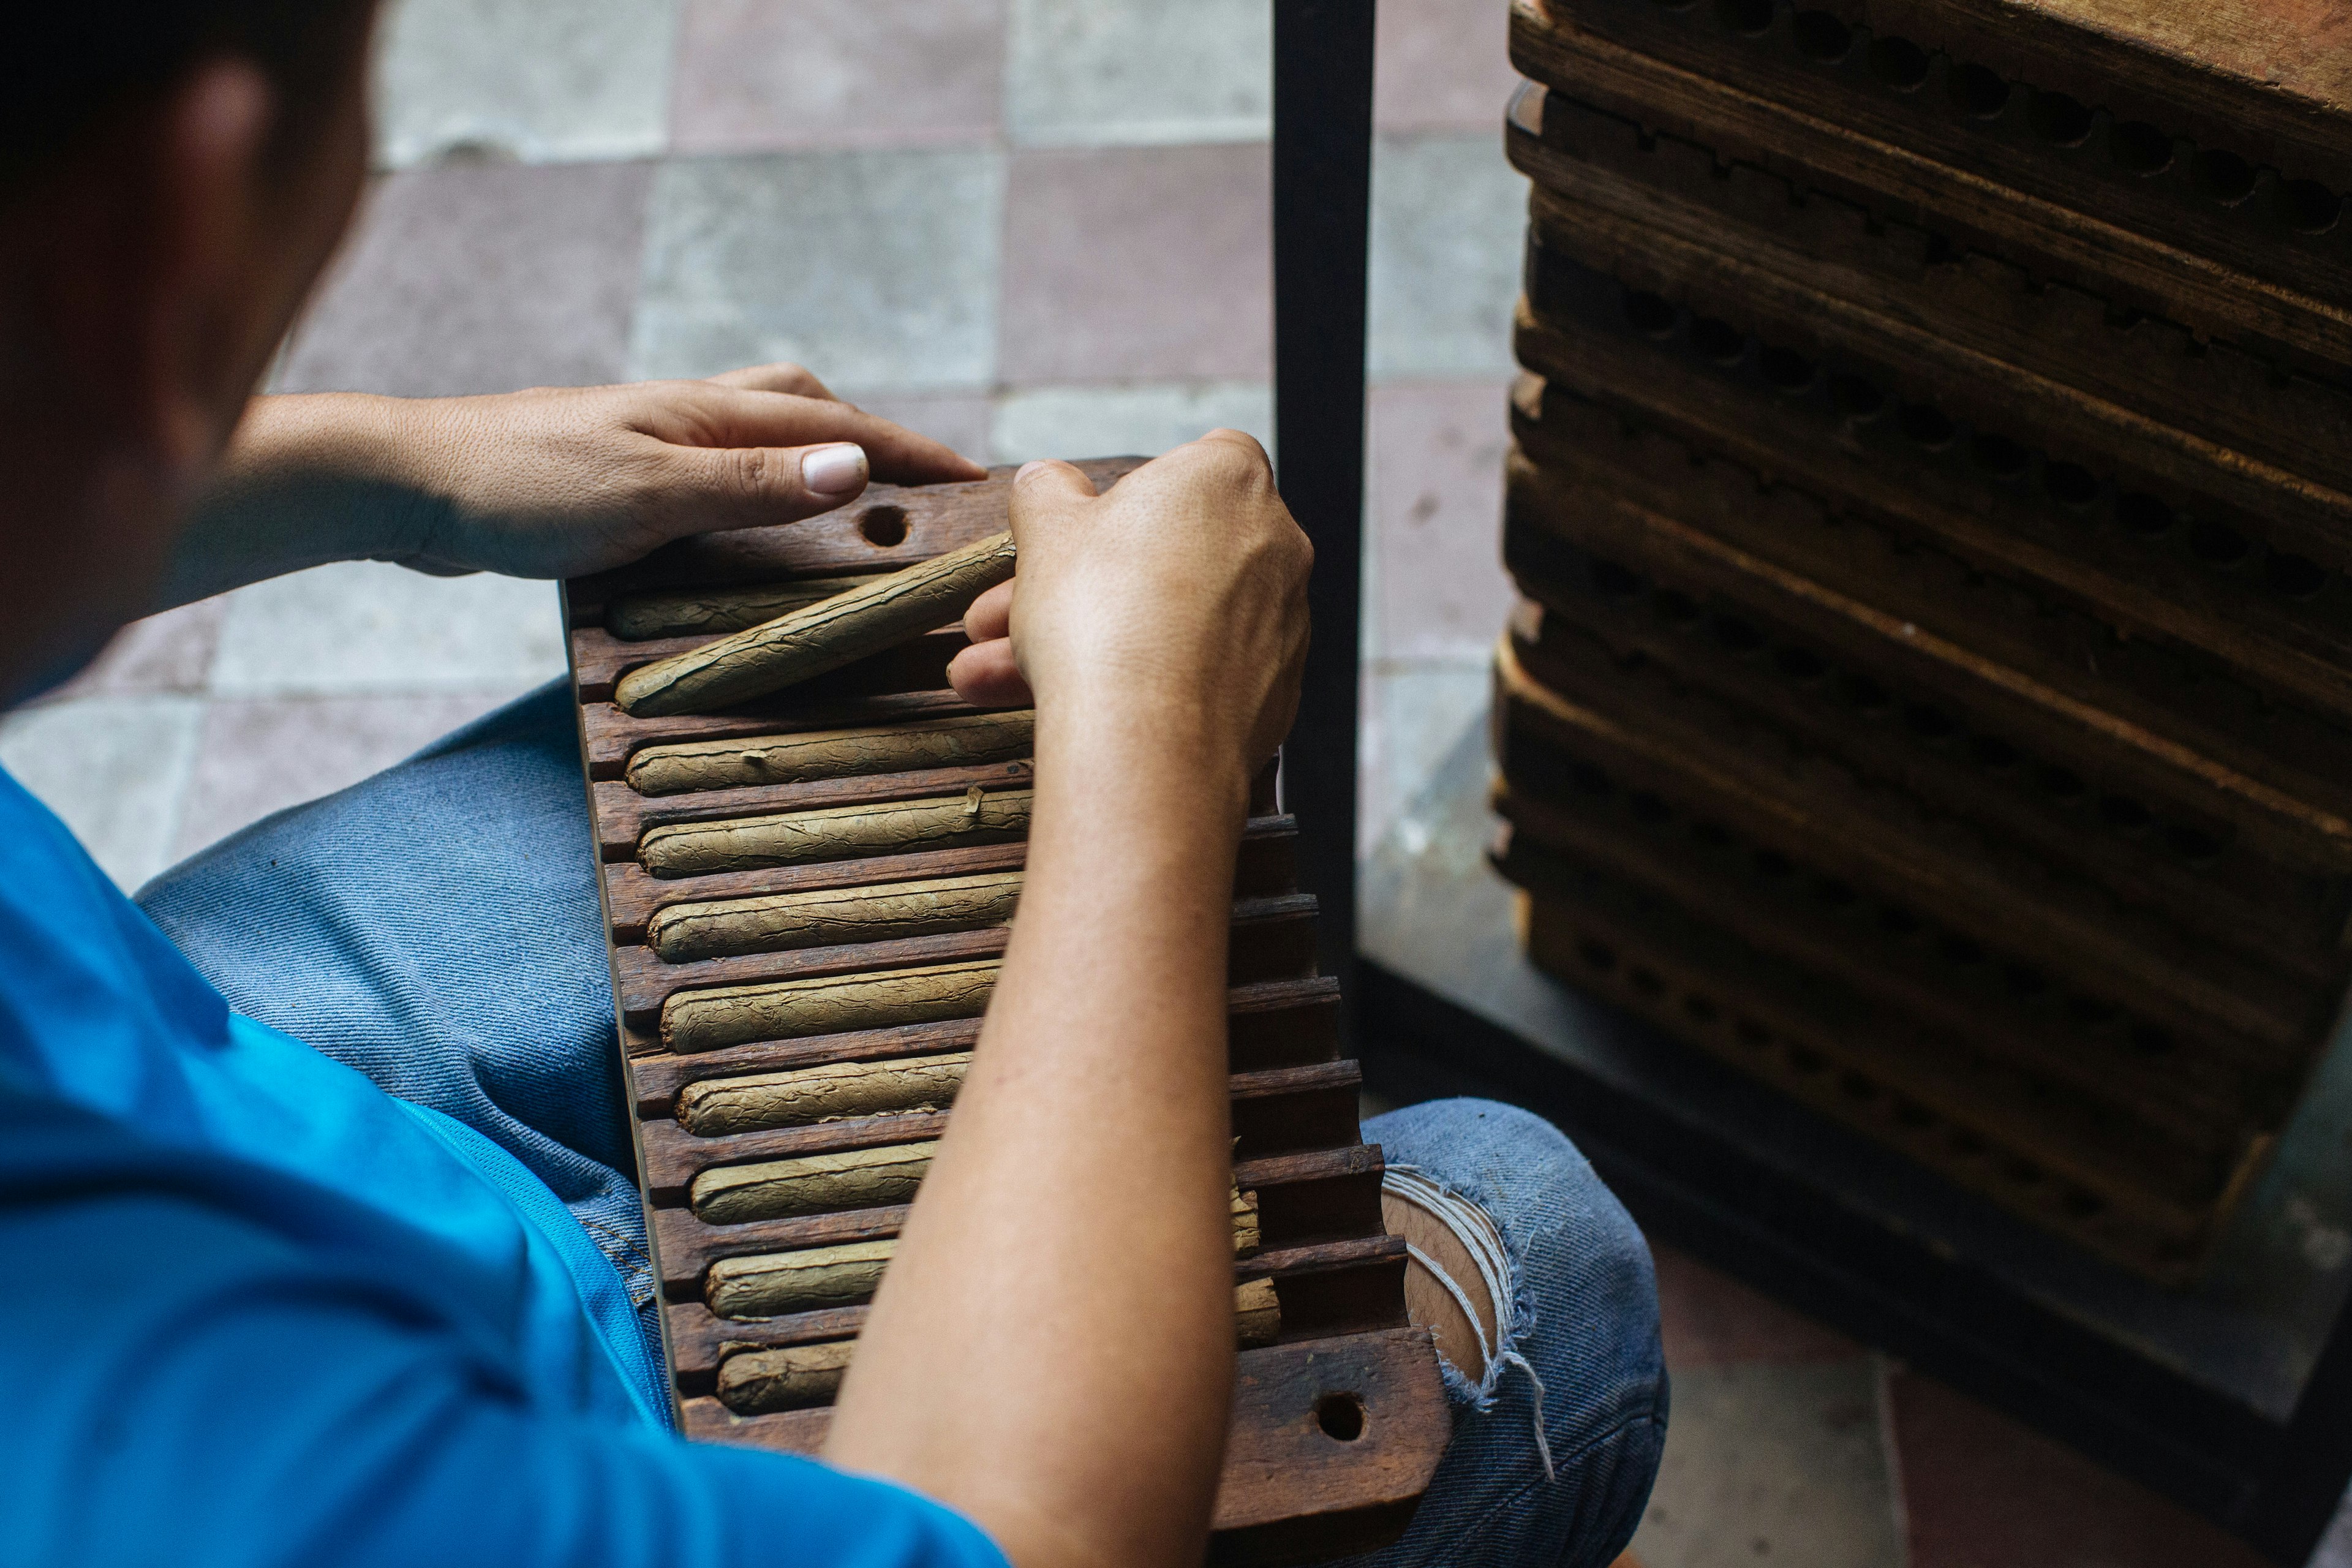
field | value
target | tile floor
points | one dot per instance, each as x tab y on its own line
1030	227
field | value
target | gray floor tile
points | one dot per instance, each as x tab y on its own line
1436	502
480	280
1099	72
878	270
1138	263
1774	1464
1411	717
960	423
170	652
367	627
258	756
758	76
114	767
541	80
1113	421
1448	214
1443	65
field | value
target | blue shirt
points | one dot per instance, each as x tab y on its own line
258	1311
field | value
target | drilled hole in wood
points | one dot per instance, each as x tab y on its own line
2307	206
1978	91
1342	1416
2059	119
1821	37
2222	176
1856	398
883	527
1650	313
2294	576
1719	340
2139	148
1899	62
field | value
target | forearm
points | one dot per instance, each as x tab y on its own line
1052	1348
306	481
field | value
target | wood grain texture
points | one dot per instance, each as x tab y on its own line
820	638
1941	187
2036	139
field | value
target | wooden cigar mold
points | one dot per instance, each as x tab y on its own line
1930	494
807	892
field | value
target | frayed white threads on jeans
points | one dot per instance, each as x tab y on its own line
1476	1229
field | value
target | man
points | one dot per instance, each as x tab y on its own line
313	1175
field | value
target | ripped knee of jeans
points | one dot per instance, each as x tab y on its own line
1478	1278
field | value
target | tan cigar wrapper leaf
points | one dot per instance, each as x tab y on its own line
833	1092
835	833
967	740
759	1383
641	617
828	917
813	1184
794	1009
824	636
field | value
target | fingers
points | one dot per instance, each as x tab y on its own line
700	487
990	614
985	676
789	378
708	413
1047	480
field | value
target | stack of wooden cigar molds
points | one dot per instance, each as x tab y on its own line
1932	497
806	898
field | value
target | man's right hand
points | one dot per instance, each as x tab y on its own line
1177	600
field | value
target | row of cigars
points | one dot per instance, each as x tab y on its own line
1932	687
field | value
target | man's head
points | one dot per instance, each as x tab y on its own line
172	176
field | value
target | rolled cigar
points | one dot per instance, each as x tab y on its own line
825	636
834	1092
760	1382
835	833
814	1278
778	923
640	617
1257	1313
967	740
814	1183
1246	1233
796	1377
793	1009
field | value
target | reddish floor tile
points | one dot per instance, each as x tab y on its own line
1708	1318
479	279
1982	1491
767	75
1443	65
1137	264
1436	503
170	652
260	756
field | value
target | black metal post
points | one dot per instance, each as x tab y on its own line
1322	202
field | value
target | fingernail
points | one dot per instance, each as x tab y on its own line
833	471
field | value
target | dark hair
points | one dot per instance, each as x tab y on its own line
69	68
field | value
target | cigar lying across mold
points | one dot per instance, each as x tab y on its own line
640	617
833	1091
796	1377
826	917
968	739
704	1020
824	636
835	833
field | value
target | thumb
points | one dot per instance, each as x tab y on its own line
1043	489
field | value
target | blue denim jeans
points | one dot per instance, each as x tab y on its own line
438	928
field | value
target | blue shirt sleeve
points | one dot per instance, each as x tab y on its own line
185	1380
